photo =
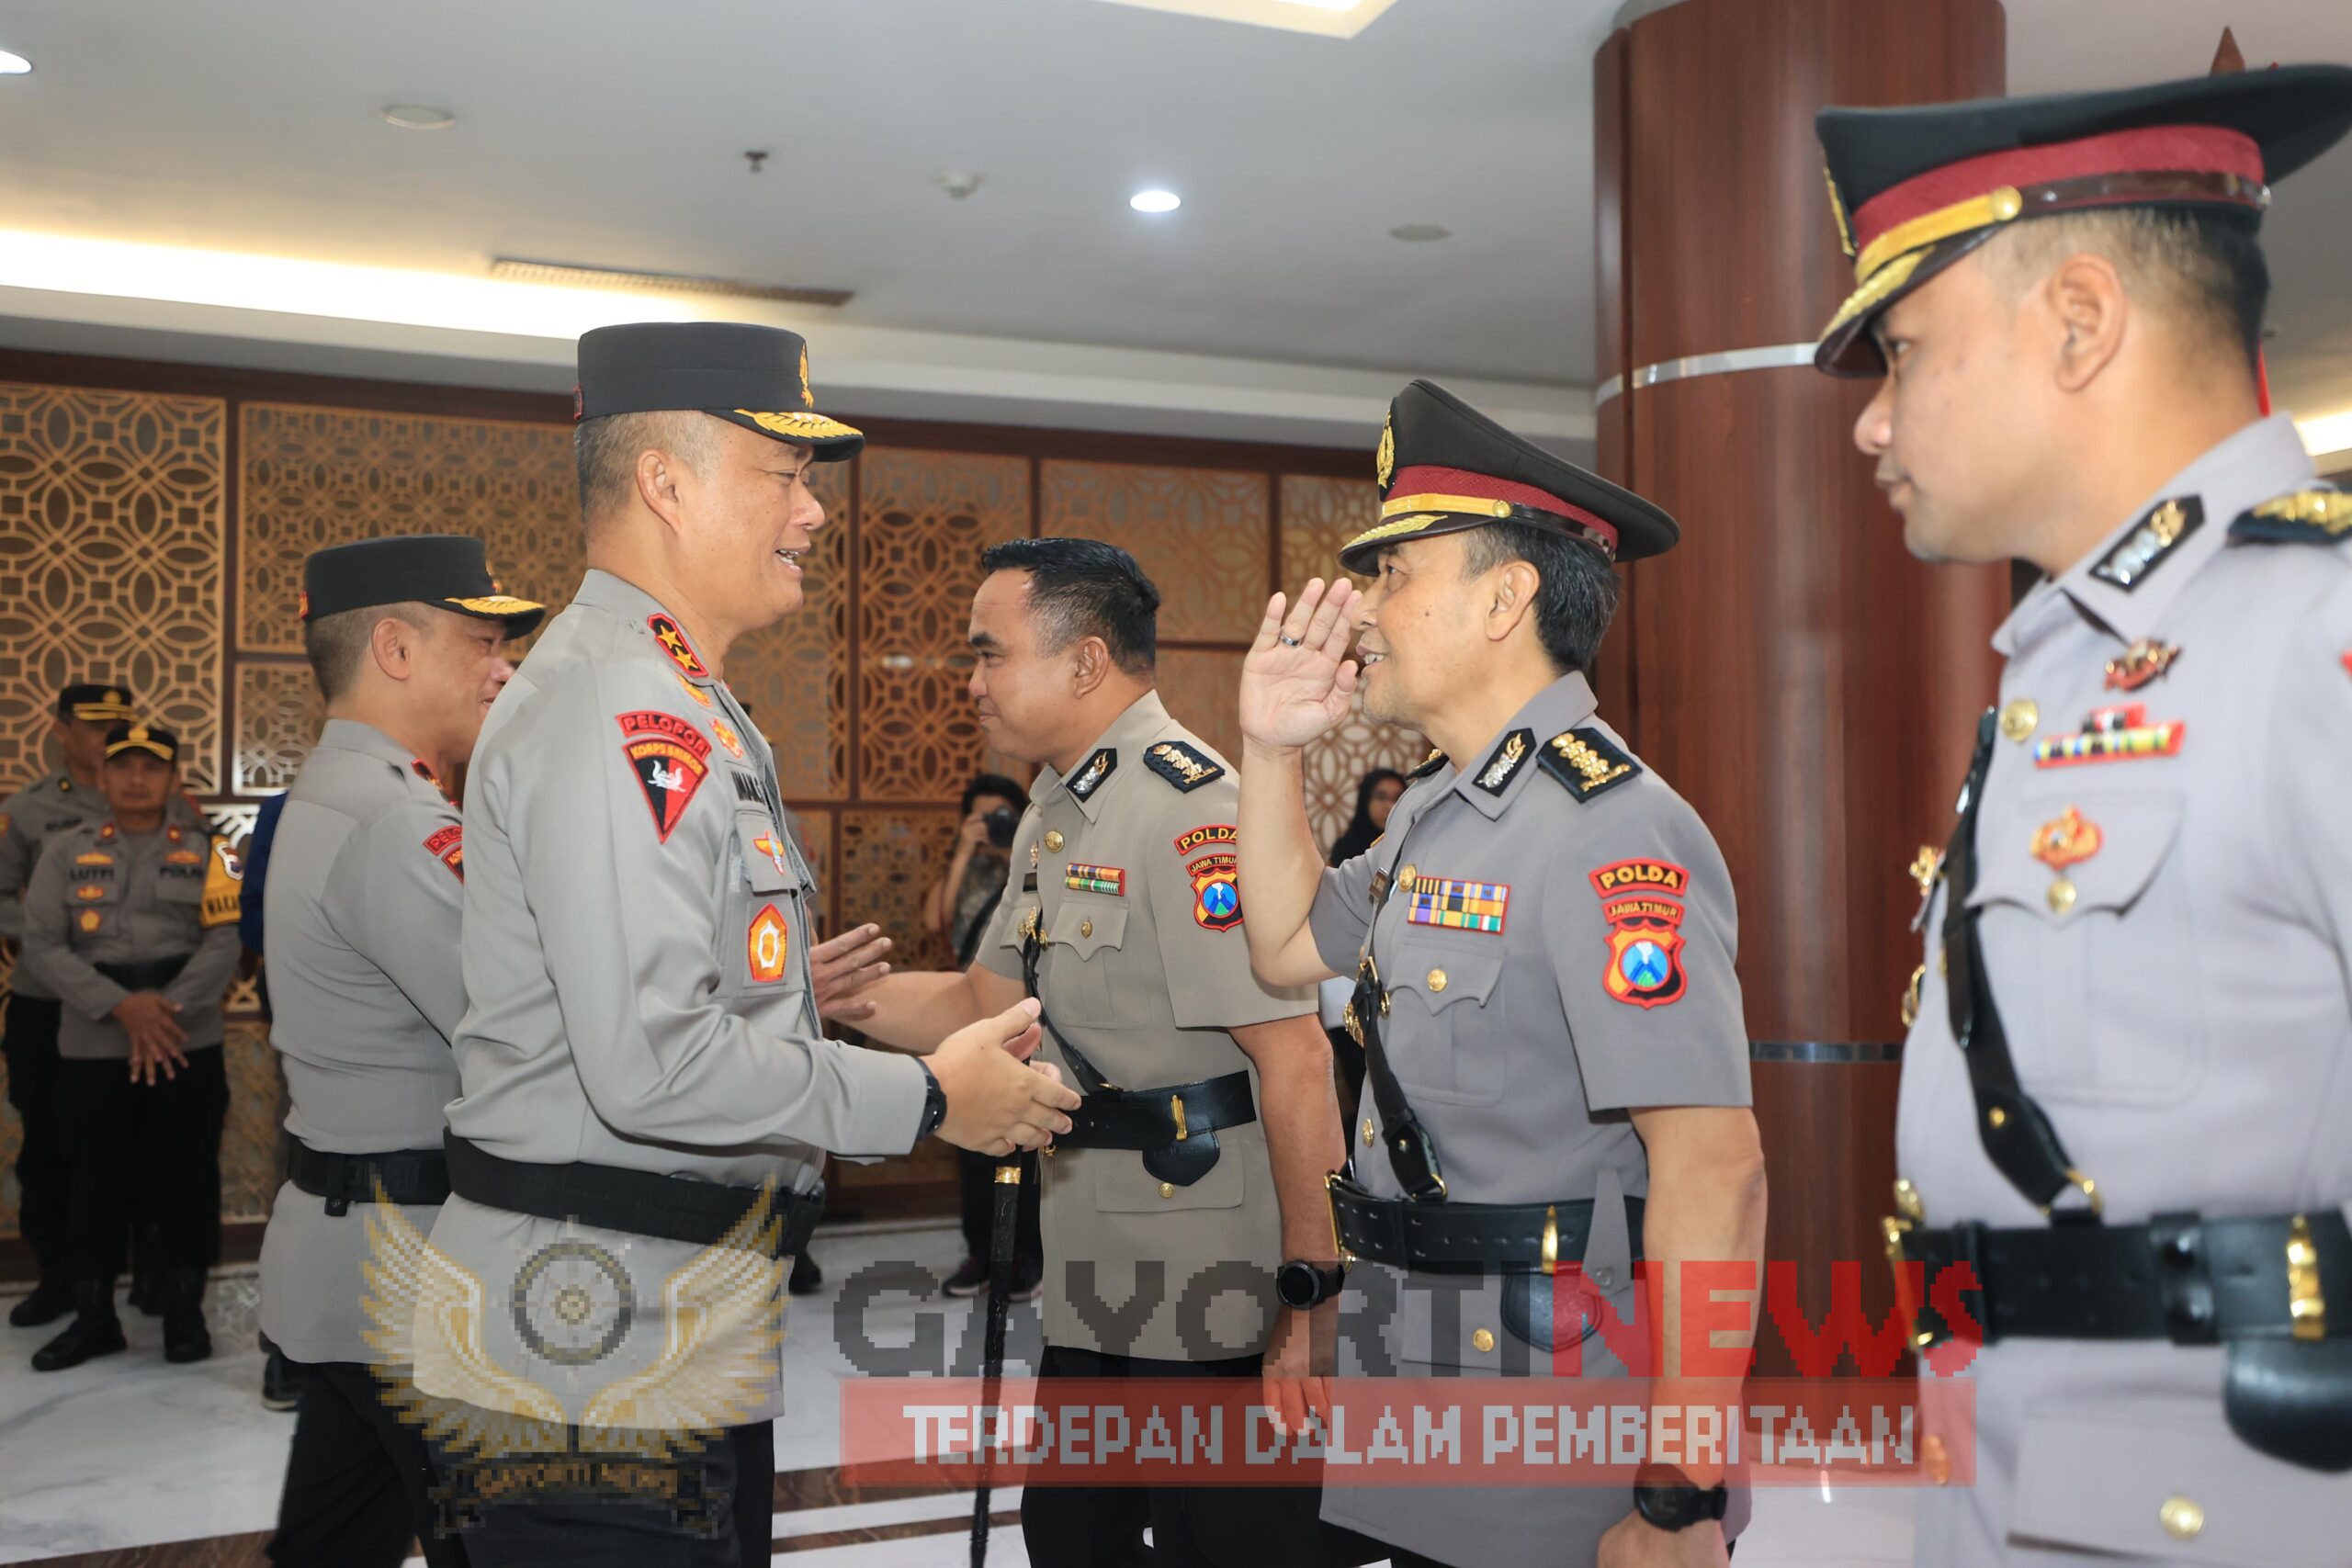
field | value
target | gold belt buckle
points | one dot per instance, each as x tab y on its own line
1910	1213
1551	1239
2306	1307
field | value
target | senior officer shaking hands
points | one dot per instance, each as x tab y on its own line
2129	1072
1543	946
407	638
1209	1117
640	1052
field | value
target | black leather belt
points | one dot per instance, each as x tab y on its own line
406	1176
147	974
641	1202
2191	1281
1156	1118
1466	1238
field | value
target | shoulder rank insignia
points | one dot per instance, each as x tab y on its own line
1181	765
674	643
1089	778
2147	547
2139	664
1503	766
1430	764
2118	734
2307	517
1587	762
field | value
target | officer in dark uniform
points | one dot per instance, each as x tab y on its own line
1542	945
2129	1075
133	922
66	798
407	638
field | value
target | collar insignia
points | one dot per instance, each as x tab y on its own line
1503	766
2145	548
1430	764
1089	778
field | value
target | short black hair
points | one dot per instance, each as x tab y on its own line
1576	599
2202	266
991	783
1085	588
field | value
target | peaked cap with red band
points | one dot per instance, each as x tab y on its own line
1916	189
1444	467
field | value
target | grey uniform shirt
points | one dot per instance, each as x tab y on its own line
101	896
362	900
1552	955
637	928
2184	1019
1147	969
28	820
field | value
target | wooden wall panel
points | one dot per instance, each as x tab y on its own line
249	1177
888	859
111	538
924	519
1202	690
795	675
278	716
1318	515
1200	535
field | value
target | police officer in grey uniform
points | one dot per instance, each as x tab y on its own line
69	797
133	922
641	1053
1209	1120
407	638
2129	1072
1543	943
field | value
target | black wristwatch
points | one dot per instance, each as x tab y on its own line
1665	1496
1302	1284
935	1102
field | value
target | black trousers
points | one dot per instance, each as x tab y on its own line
977	1176
43	1178
358	1480
1101	1526
738	1473
161	1139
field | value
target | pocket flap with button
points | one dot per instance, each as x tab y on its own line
1122	1185
2127	837
1442	977
2165	1480
766	862
1089	927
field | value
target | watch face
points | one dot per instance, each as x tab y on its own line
1295	1284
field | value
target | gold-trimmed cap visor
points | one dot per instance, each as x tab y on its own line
95	704
449	571
753	376
151	738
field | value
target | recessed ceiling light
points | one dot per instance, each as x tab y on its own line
418	117
13	64
1155	201
1420	233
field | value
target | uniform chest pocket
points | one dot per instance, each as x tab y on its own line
2092	947
180	885
1084	936
1445	1036
765	923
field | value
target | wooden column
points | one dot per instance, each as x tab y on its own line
1804	683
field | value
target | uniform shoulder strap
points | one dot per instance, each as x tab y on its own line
2306	517
1186	767
1430	764
1585	762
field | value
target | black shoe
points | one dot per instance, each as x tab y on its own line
1028	1283
281	1381
185	1338
95	1331
970	1278
807	1278
50	1300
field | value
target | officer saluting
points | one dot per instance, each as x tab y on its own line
69	797
2125	1092
133	922
1543	942
640	1051
406	638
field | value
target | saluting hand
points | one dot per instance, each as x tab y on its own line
1296	683
844	967
996	1103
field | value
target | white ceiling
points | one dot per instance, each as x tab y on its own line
609	132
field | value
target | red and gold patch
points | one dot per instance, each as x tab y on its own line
695	692
727	737
1214	833
671	758
91	920
1642	901
673	642
1217	895
448	846
768	844
766	945
90	892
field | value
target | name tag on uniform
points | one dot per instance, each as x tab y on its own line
1458	905
1108	879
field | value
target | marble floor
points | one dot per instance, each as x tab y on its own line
108	1464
